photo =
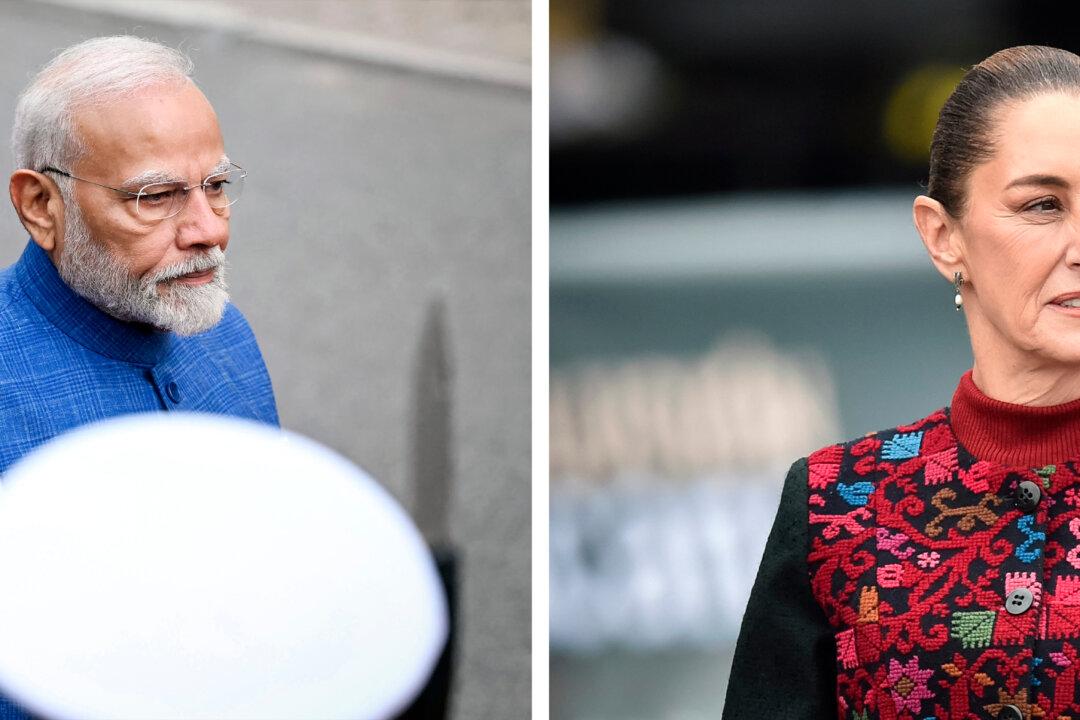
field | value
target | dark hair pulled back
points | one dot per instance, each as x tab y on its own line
963	136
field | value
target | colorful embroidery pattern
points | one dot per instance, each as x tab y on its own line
914	548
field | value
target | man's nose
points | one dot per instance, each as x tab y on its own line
200	224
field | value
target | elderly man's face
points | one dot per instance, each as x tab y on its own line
172	134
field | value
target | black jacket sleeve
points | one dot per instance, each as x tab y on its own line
785	659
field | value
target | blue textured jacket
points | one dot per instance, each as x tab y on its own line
64	363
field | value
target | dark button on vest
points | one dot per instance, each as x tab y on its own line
1010	712
1019	601
1028	495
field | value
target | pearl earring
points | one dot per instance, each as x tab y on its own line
958	280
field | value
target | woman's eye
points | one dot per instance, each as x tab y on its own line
1044	205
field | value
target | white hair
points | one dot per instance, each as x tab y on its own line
92	72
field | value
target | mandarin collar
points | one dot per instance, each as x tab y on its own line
1016	435
80	320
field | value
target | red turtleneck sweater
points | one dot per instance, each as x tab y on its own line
1017	435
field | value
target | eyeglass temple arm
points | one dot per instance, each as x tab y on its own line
58	171
50	168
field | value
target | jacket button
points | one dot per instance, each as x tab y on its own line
173	391
1019	601
1028	495
1010	712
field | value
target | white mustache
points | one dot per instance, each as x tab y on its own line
211	260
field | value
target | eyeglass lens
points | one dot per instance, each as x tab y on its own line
163	200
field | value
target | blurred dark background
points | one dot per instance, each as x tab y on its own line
682	97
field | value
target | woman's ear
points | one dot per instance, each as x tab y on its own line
940	235
40	206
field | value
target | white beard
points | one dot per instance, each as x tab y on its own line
91	271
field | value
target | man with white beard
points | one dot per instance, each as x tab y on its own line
119	304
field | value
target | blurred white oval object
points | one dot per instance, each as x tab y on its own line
198	566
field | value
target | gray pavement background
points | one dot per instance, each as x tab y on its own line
373	192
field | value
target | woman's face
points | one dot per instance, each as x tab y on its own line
1021	233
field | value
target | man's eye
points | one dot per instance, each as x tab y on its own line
216	187
156	198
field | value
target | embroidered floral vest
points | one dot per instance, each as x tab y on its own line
916	547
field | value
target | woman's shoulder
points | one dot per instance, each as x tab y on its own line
930	436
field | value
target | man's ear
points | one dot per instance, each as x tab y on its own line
938	230
40	206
